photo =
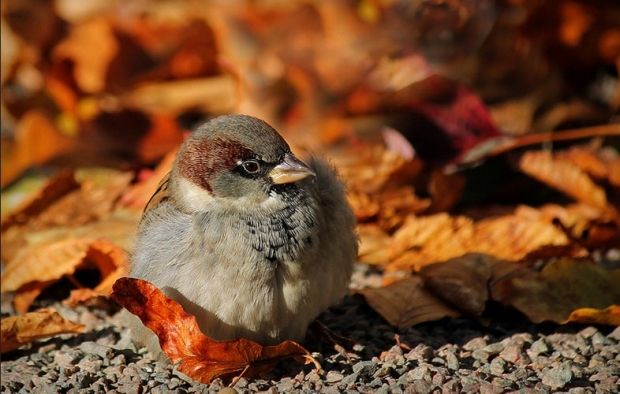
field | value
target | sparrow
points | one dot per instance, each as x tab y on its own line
245	236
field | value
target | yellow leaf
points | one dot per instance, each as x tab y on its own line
564	176
44	323
609	316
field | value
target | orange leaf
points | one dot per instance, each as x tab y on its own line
363	206
609	316
426	239
199	356
164	135
20	330
44	262
58	186
423	240
92	202
406	303
376	169
36	141
86	296
91	46
27	294
374	244
586	159
40	266
138	195
564	176
213	94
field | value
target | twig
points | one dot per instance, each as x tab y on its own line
234	381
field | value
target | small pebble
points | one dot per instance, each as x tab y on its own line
333	376
452	362
475	343
421	386
480	354
102	351
383	371
420	353
599	339
498	366
494	348
557	377
512	353
350	379
286	385
538	347
588	332
438	379
365	367
418	373
615	334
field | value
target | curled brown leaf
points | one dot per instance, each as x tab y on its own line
197	355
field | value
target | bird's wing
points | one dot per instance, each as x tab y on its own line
161	194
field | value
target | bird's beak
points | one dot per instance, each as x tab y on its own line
290	170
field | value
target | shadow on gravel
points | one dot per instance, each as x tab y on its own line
355	320
71	341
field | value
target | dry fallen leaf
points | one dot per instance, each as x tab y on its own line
27	149
602	163
213	95
463	118
163	137
85	296
566	290
564	176
44	262
406	303
586	159
36	268
91	61
364	206
376	169
92	202
58	186
374	244
608	316
446	190
560	288
462	282
423	240
197	355
138	195
43	323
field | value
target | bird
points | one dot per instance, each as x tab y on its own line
248	238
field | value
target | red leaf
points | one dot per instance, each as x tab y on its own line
464	118
198	356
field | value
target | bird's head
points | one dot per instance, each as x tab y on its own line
235	159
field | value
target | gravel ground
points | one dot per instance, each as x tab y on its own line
502	354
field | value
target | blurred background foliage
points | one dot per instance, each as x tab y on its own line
116	83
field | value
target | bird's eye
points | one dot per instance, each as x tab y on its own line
251	166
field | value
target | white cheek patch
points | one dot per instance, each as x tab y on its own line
196	199
193	197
